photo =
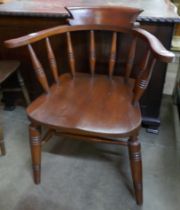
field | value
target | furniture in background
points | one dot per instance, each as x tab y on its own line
21	17
92	106
7	69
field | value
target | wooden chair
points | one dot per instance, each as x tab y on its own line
90	106
7	68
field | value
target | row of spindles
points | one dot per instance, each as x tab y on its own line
141	82
92	58
92	54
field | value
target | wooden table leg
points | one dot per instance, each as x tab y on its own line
23	88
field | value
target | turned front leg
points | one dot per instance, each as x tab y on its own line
136	167
35	143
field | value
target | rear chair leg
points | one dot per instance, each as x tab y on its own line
136	167
35	143
2	146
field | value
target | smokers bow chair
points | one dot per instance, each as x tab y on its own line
93	106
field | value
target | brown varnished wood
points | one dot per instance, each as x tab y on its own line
79	96
55	8
143	81
23	17
136	166
51	132
47	136
104	15
141	84
92	53
35	144
155	46
130	60
94	108
71	54
38	69
144	62
112	59
52	61
37	36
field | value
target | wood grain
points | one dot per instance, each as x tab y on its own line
101	107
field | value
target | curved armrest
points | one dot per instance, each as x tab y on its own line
34	37
155	45
157	48
37	36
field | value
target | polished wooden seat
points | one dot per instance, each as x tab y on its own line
96	100
92	106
